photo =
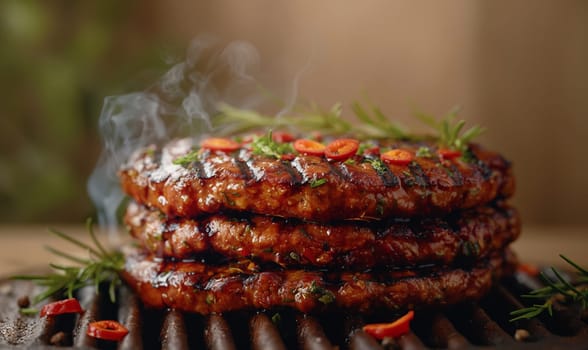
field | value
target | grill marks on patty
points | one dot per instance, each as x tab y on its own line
354	190
457	239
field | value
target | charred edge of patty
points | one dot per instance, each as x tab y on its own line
198	288
459	239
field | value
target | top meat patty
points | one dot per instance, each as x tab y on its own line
312	187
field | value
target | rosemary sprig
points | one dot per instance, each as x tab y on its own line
450	131
101	266
376	123
373	124
235	121
555	289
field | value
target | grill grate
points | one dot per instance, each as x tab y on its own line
483	325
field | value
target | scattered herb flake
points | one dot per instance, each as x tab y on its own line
424	152
266	146
185	160
317	182
210	299
325	296
378	165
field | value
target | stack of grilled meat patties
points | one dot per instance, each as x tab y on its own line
358	226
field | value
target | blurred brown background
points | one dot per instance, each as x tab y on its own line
518	68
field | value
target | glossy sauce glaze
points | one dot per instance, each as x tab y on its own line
458	239
202	288
315	188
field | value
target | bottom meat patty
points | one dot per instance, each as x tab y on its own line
462	237
200	288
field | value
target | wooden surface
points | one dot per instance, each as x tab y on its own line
22	247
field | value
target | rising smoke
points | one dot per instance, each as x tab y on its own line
182	103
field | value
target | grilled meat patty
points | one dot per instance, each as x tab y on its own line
201	288
313	188
458	238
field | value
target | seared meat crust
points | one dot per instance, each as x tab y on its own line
313	188
200	288
461	237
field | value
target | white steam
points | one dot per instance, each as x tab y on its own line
182	103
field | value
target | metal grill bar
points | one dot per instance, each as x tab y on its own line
90	302
444	334
311	335
218	334
173	332
359	340
534	326
264	334
411	342
129	314
487	330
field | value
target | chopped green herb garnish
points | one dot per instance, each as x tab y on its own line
377	164
228	199
210	299
186	159
325	295
327	298
265	145
470	249
317	182
424	152
380	207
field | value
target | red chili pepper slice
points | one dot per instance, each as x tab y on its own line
107	330
341	149
288	156
66	306
372	151
282	137
529	269
447	153
309	147
394	329
220	144
316	135
397	157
